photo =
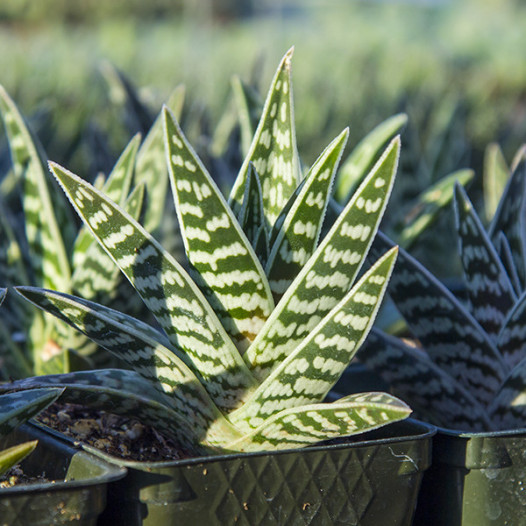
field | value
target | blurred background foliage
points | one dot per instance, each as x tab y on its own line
455	67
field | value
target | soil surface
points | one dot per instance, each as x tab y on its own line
115	435
16	476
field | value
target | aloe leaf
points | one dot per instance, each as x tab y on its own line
509	218
310	371
151	168
299	234
273	149
512	337
11	456
490	291
48	255
364	155
252	216
17	408
508	409
433	394
301	426
329	273
117	188
495	176
505	255
228	269
249	108
448	332
425	208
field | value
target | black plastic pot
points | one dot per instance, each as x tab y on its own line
78	495
476	479
371	482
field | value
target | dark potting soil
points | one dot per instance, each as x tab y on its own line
115	435
16	476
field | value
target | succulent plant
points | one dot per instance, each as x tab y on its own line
467	367
16	409
251	340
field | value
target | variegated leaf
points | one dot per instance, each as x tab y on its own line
117	188
329	273
512	338
298	235
510	218
450	335
228	270
311	370
508	409
504	252
48	255
423	211
17	408
273	149
490	291
364	155
302	426
252	216
432	394
11	456
168	291
495	177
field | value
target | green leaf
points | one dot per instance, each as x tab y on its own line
17	408
15	454
495	176
490	291
310	371
424	209
48	256
273	149
228	270
329	273
450	335
365	154
298	235
116	187
301	426
168	291
433	394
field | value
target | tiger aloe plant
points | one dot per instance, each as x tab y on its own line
467	369
41	246
251	339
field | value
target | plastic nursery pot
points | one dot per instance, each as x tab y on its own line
371	482
476	479
77	494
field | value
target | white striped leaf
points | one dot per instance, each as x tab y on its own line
432	394
310	371
510	218
300	231
490	292
228	270
495	177
116	187
48	255
302	426
508	409
505	255
329	273
252	216
365	154
13	455
168	291
424	209
448	332
512	338
17	408
273	148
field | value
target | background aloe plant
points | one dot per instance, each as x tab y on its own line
250	342
467	369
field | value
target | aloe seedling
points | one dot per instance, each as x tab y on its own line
253	339
469	372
